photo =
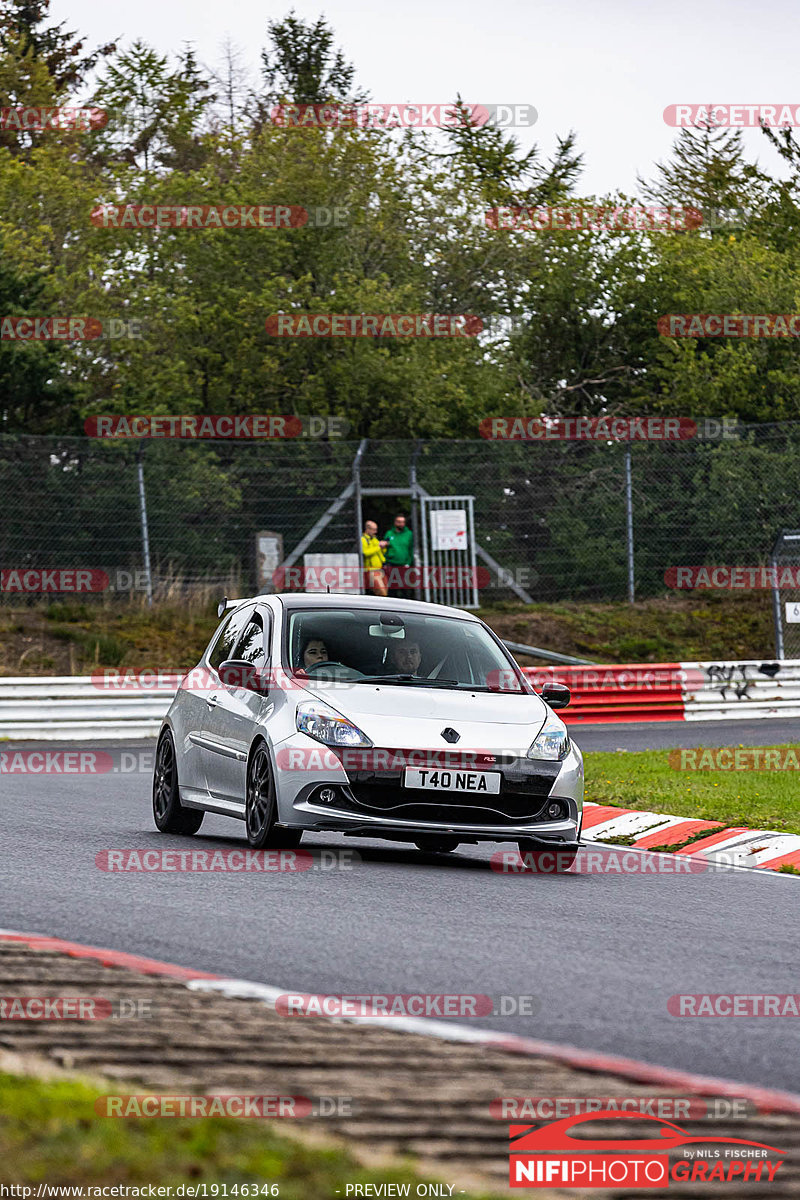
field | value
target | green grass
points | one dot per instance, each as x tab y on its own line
49	1132
73	636
675	627
102	648
764	799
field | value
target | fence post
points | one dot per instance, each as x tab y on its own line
629	522
415	507
776	610
145	534
357	505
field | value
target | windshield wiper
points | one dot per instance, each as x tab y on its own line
493	691
414	680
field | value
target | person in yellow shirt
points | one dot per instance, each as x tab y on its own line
372	552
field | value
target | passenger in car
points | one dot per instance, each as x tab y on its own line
403	658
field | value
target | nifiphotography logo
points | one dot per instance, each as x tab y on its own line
569	1153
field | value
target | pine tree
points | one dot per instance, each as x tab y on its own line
156	111
707	172
24	22
35	395
486	156
302	66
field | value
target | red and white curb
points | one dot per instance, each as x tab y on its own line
732	846
763	1098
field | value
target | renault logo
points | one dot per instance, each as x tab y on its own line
450	735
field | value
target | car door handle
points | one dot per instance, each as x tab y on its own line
212	701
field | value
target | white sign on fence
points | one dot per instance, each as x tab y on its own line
269	556
331	573
449	529
792	612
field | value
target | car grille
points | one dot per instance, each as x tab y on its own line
521	797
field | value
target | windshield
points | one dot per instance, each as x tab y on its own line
363	646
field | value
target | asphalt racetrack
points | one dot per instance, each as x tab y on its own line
600	952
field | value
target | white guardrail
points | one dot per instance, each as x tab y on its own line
79	708
717	691
75	708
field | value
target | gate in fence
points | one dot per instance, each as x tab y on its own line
449	568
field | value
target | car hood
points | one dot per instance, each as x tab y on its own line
410	718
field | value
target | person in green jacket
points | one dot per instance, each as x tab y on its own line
399	553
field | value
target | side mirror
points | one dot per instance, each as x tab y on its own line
236	673
557	695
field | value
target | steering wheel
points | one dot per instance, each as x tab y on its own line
328	662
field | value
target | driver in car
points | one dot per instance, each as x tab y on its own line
314	651
403	658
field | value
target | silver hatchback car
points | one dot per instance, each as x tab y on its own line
370	717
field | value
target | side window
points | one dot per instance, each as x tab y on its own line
251	644
231	633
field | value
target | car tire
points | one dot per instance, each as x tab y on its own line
168	813
437	845
546	859
261	809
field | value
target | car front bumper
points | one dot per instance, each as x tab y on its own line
374	802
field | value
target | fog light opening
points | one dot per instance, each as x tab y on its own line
555	809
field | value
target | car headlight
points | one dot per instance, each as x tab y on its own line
552	742
326	725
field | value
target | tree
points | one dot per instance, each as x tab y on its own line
61	50
233	91
302	65
40	66
483	155
708	171
755	379
156	111
34	394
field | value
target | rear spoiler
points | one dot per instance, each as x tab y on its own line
226	604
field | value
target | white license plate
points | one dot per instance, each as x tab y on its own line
436	780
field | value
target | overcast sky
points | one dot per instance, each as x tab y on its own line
607	70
